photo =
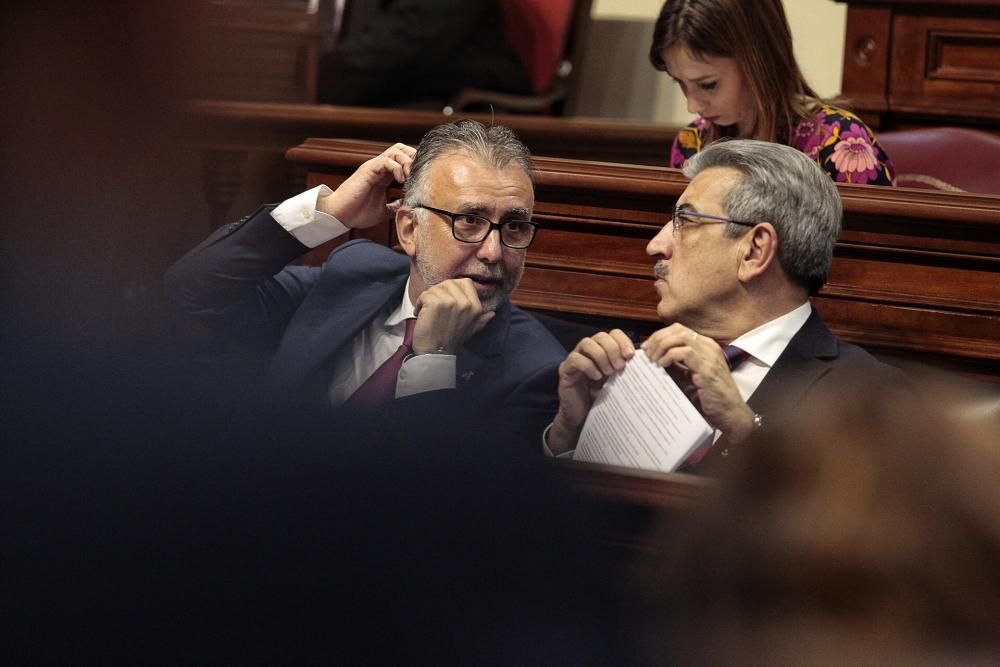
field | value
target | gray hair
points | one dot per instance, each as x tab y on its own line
497	146
783	186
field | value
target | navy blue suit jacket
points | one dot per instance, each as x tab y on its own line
238	285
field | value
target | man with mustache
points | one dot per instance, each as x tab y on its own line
750	240
464	223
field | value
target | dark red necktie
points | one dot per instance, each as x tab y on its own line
734	357
381	385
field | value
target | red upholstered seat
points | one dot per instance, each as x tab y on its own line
537	30
945	158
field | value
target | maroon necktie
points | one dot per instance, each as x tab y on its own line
381	385
734	357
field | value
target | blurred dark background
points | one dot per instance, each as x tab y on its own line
156	515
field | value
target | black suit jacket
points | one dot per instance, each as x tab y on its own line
815	366
237	285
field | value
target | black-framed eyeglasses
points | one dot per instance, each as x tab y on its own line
472	228
683	216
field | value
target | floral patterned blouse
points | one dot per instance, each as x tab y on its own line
840	143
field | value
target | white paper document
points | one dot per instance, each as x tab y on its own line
642	419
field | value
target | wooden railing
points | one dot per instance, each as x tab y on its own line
237	137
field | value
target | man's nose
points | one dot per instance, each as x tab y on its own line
662	245
491	249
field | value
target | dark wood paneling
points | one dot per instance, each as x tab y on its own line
912	64
866	62
260	51
946	65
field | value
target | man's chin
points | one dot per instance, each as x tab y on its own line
494	299
492	303
665	311
490	293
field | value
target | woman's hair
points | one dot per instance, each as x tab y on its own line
756	34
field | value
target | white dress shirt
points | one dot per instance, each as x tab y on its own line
765	344
383	335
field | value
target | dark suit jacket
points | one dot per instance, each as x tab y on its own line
237	284
815	365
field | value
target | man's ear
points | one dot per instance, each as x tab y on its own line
758	251
406	230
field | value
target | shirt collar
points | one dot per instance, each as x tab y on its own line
766	343
403	311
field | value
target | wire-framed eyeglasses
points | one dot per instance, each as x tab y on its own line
683	216
472	228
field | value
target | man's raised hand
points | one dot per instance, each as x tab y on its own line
448	314
360	201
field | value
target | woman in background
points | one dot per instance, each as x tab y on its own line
734	62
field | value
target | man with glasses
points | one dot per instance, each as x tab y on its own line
750	240
435	318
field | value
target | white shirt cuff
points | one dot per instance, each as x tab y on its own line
300	218
426	372
568	454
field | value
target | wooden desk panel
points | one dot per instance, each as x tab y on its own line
925	63
916	273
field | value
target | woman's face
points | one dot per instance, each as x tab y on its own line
713	87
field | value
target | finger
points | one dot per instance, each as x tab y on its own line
577	364
393	206
612	350
394	167
408	151
592	349
676	356
463	291
402	155
624	343
663	340
406	158
465	286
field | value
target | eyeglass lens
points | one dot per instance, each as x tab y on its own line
472	229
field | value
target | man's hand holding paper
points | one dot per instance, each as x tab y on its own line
644	420
720	399
581	376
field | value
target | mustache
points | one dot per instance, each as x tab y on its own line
660	270
488	272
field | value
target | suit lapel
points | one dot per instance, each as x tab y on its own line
329	318
800	366
477	350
